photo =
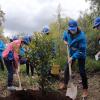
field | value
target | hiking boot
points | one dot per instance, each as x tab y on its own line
11	88
80	81
33	77
27	76
85	93
63	86
18	88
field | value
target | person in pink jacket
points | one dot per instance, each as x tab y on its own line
11	59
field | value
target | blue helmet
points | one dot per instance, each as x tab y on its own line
13	38
30	38
96	22
45	30
72	25
26	40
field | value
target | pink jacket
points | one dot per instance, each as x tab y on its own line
13	46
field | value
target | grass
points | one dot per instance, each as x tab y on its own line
92	65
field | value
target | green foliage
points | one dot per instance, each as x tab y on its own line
86	22
92	65
93	45
40	53
61	54
95	7
1	20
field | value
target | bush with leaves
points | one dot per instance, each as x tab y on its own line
41	54
92	65
93	44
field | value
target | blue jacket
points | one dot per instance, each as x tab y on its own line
2	47
22	51
77	44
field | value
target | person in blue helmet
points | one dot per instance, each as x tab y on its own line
25	60
11	60
76	40
46	30
97	23
13	38
97	26
30	38
22	59
2	47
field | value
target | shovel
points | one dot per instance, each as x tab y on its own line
19	80
72	89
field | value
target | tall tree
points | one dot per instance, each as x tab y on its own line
1	16
95	7
2	19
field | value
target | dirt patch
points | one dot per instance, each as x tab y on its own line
35	95
94	90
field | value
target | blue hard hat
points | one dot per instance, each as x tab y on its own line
30	37
26	40
45	30
72	25
13	38
96	22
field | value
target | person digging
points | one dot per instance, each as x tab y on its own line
11	60
76	41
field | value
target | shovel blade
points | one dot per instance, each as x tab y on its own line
18	88
72	91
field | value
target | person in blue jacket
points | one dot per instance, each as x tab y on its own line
15	37
2	47
25	60
76	40
97	23
46	31
97	26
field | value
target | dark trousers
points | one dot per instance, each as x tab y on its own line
29	65
81	64
1	64
9	66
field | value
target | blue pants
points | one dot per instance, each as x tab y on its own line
9	65
29	65
81	64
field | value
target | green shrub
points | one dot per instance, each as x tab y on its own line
92	65
41	54
92	45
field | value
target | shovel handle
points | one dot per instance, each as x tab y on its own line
19	81
69	64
